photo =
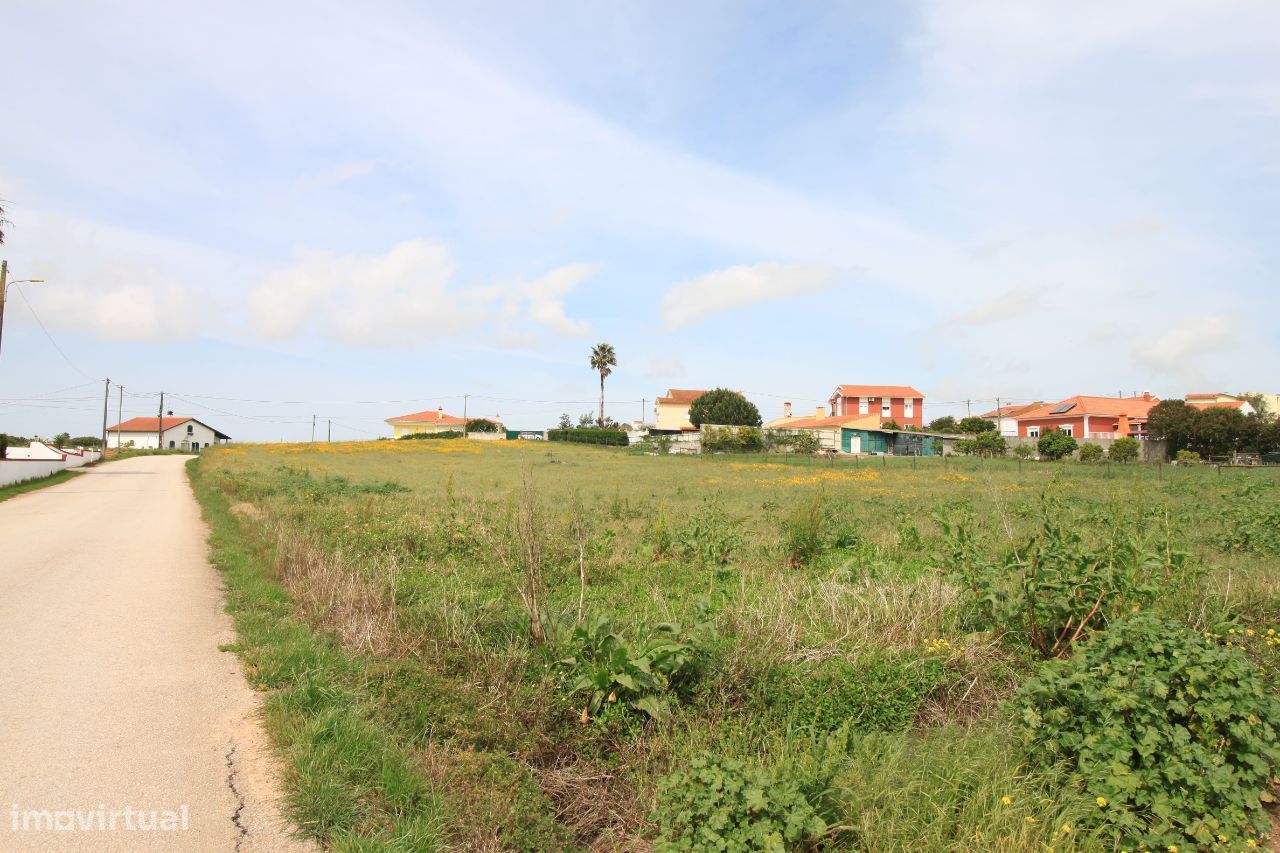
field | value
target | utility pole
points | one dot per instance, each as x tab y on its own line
643	401
119	416
999	418
4	290
967	413
329	437
106	398
313	429
464	406
160	424
4	285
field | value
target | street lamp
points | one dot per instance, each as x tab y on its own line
4	290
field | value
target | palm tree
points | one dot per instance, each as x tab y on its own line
603	359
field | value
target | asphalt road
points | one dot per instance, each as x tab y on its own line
116	706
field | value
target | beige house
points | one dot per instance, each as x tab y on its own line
1220	400
671	413
425	422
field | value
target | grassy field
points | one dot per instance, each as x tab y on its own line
514	645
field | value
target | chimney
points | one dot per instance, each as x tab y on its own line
786	410
1146	395
820	413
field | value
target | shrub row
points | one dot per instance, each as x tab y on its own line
426	435
611	437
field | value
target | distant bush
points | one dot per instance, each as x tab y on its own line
1091	453
1023	451
890	425
731	439
803	442
725	408
717	804
966	446
481	425
1174	734
419	436
610	437
1124	449
87	441
974	425
1056	444
990	443
1186	457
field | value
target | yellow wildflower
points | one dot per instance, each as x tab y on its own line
1102	802
1249	632
1251	843
1172	848
1008	801
1030	819
1066	828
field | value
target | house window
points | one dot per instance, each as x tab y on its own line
1033	432
863	403
886	408
171	445
190	429
909	408
1067	429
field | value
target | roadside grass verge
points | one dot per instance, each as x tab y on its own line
351	785
25	486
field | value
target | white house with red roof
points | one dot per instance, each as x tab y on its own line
168	433
1086	417
901	404
431	421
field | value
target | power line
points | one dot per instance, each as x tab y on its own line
40	323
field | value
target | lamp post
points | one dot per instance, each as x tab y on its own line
4	290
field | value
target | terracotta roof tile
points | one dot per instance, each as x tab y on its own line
432	416
1012	411
1130	407
146	424
680	395
877	391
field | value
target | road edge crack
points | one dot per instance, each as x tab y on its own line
236	816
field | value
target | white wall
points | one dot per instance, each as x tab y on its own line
20	470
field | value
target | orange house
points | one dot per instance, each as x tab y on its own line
1083	417
901	404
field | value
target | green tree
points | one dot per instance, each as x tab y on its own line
1023	451
481	425
565	422
1218	431
62	439
946	423
1259	403
1091	453
1056	444
603	360
723	407
890	425
82	441
1173	421
1124	449
973	425
989	443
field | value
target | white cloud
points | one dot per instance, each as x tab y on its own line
1178	348
545	297
339	174
116	283
690	301
408	298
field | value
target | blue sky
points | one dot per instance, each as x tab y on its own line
276	211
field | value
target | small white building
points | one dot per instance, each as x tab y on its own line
174	433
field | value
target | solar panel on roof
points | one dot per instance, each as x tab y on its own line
1065	407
